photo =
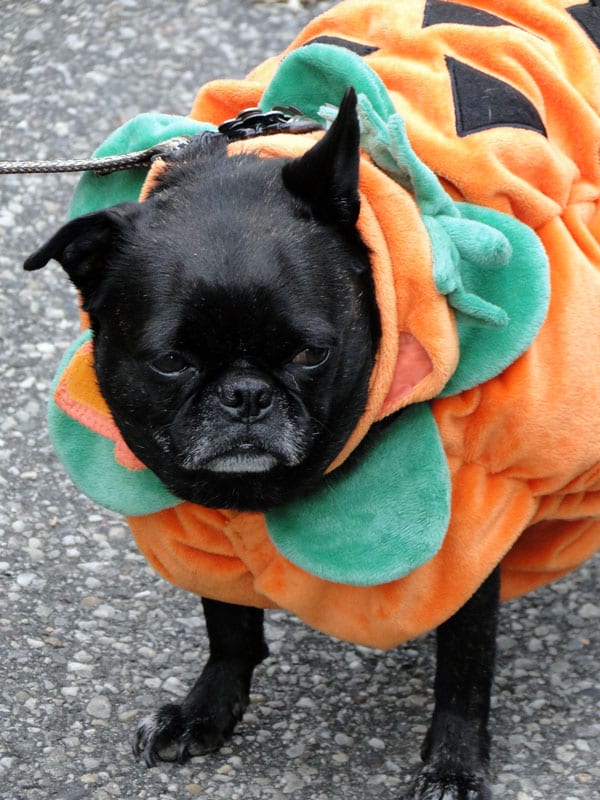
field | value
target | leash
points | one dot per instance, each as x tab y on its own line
101	166
249	123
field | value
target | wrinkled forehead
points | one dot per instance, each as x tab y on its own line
249	252
234	300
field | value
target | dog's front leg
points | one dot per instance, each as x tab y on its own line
456	749
206	717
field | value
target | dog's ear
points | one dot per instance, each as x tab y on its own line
326	176
83	244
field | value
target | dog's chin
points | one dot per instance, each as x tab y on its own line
240	486
239	462
243	479
239	457
243	476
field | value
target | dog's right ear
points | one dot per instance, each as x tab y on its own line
326	176
83	244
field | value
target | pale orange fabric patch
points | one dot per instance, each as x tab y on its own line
78	395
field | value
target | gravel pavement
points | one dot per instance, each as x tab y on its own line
92	639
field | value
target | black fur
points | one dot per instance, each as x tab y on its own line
217	701
226	272
235	330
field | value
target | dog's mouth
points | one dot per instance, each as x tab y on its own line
242	459
255	452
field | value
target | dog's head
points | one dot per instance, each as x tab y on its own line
233	317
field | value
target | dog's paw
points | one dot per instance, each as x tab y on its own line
432	783
203	721
174	733
157	735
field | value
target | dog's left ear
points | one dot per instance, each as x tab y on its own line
82	246
326	177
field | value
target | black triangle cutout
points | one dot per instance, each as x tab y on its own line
483	101
438	13
588	16
356	47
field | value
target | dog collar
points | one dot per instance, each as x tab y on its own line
254	122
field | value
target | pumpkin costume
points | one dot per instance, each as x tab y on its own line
480	185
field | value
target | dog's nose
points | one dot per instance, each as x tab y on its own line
246	399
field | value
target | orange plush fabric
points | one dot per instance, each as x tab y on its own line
523	448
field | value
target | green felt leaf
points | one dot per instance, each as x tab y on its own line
521	288
379	520
90	461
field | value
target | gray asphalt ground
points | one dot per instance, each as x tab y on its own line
92	640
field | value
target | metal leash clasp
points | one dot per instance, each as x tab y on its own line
253	122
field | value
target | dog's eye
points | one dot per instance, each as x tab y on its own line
170	364
311	357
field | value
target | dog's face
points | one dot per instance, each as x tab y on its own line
233	317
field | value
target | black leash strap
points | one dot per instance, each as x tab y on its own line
249	123
102	166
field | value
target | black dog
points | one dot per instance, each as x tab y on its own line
235	329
